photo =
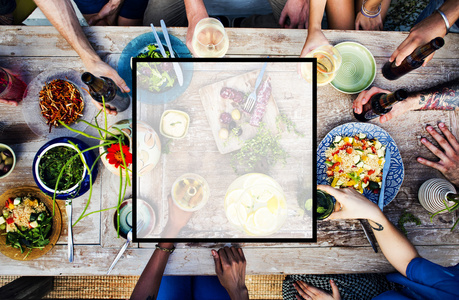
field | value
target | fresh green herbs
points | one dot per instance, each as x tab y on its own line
34	238
407	217
291	126
260	152
53	161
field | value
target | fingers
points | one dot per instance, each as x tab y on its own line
283	18
335	290
365	96
431	164
451	138
428	58
304	290
120	82
241	254
441	141
218	264
107	110
397	109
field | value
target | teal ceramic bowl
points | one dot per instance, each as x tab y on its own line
358	68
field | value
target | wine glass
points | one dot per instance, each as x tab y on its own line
210	38
328	63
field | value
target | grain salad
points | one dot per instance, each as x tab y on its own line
355	162
27	223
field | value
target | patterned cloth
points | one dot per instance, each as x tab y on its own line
351	286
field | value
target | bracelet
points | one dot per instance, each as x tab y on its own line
370	14
444	19
170	251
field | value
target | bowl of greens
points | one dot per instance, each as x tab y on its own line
61	167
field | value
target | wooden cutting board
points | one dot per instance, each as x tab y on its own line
215	105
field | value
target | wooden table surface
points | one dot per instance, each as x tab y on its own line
341	245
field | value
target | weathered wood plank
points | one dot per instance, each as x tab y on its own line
39	40
93	260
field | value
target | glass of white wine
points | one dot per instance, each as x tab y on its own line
210	38
328	63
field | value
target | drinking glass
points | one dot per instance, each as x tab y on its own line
325	205
11	87
210	38
190	192
328	63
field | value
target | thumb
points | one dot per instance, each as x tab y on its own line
335	290
218	264
94	19
120	82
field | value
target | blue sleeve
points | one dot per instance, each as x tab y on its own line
441	278
426	280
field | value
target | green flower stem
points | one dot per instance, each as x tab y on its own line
97	124
124	164
80	132
105	114
98	128
119	203
98	211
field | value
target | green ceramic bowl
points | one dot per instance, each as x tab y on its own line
358	68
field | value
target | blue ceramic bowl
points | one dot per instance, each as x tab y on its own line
78	189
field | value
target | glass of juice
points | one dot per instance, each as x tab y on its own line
210	38
325	205
11	87
190	192
328	63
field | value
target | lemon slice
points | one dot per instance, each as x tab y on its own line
252	178
264	220
236	214
246	200
233	196
261	194
273	205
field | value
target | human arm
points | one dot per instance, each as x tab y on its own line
426	30
61	14
367	23
295	14
195	12
394	245
441	97
108	14
449	157
148	285
315	36
230	267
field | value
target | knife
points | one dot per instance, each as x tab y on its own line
68	209
158	41
383	183
177	69
369	236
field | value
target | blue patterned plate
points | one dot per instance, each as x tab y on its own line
396	171
137	46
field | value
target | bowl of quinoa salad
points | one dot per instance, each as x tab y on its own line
29	224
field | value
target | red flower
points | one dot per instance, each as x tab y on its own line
114	155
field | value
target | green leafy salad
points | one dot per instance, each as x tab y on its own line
155	76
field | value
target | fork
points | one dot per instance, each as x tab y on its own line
140	224
250	102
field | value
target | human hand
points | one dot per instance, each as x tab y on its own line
230	267
397	109
449	157
107	15
178	218
315	39
366	23
422	33
297	14
191	26
9	102
307	292
353	205
100	68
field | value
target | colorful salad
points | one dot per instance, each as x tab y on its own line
27	223
355	162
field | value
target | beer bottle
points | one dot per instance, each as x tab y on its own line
105	87
380	104
412	61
